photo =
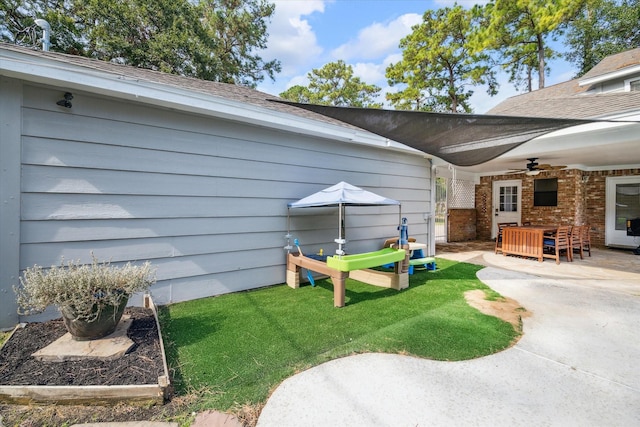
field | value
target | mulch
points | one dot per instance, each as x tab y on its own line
141	365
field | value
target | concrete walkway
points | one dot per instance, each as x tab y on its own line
577	364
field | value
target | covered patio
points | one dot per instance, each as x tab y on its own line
604	264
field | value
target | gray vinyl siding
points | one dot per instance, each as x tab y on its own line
205	200
10	101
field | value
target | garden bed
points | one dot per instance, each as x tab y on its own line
139	376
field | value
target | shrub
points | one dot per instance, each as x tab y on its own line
84	289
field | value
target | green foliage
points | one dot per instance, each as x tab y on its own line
518	31
334	84
602	28
82	287
3	337
209	39
232	30
438	68
239	346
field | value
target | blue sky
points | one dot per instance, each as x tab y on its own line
307	34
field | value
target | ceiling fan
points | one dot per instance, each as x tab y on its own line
534	168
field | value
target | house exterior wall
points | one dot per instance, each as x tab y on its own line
10	103
581	200
461	224
608	86
203	199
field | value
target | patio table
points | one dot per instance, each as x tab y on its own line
525	241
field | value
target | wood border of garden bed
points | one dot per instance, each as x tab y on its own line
93	394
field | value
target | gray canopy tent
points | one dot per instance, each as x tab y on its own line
340	195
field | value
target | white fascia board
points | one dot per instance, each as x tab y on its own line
73	77
578	130
610	76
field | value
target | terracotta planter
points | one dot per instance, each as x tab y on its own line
102	326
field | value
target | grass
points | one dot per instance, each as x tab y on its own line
238	347
3	337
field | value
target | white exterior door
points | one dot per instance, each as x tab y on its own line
623	203
507	202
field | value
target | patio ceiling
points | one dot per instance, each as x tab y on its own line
487	144
596	146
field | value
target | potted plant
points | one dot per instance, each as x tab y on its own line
90	297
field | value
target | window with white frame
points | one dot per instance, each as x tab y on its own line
632	85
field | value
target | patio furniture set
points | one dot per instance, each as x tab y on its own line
543	241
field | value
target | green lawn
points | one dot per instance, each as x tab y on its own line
239	347
3	337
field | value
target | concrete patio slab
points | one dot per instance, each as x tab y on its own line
576	364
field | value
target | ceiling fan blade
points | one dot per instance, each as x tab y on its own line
548	167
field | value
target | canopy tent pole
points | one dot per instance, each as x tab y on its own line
341	231
399	224
288	247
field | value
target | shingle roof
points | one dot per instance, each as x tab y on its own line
569	100
215	89
614	63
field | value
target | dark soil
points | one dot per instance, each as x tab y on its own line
141	365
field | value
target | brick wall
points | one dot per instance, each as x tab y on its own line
581	200
462	225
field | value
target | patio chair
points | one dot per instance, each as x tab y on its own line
576	240
501	226
561	241
585	236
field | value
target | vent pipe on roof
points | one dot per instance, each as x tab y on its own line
46	32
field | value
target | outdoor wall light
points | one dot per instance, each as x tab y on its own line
66	102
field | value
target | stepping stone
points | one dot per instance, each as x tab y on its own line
110	347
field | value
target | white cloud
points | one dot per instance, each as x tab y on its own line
301	80
378	39
291	39
369	72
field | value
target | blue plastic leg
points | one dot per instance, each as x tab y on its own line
310	277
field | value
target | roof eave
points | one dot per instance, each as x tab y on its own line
610	76
73	77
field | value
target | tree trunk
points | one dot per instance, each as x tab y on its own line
541	64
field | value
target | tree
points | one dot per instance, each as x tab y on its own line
602	28
17	23
232	31
438	68
208	39
153	34
518	31
334	84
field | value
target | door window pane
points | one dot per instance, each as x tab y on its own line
508	199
